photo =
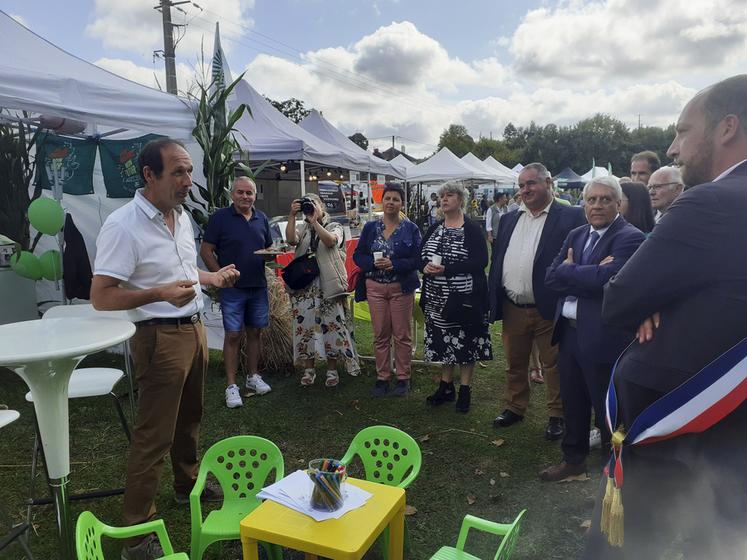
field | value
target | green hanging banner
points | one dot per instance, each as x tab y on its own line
71	159
119	165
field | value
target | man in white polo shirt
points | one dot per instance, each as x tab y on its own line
146	261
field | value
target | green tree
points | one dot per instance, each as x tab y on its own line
360	139
292	108
485	147
601	138
457	139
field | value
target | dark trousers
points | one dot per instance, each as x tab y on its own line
583	385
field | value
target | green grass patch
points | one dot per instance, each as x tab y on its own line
464	471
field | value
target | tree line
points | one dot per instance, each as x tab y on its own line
601	138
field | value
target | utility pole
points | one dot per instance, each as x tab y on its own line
168	46
392	142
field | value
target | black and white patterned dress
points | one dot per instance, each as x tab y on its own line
450	343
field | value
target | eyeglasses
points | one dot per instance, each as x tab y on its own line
660	186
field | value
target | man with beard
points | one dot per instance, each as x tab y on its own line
686	291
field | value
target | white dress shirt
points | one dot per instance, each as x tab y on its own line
136	246
570	304
518	262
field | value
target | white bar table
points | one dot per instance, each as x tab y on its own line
44	353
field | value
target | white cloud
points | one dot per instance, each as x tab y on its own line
624	41
134	26
151	77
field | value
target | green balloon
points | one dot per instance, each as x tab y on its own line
51	265
27	265
46	215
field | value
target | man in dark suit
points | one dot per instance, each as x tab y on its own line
686	291
525	245
591	255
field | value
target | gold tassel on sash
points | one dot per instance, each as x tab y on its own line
616	534
604	523
615	521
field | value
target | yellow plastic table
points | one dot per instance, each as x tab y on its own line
347	538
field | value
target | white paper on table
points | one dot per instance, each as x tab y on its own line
294	492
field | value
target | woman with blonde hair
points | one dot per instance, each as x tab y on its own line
455	297
319	309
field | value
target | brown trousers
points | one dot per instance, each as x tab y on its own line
170	366
521	327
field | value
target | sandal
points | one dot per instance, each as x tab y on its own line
308	377
535	376
333	378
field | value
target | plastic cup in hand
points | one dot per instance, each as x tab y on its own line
328	476
378	255
436	259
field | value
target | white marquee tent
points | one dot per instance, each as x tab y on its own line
493	163
320	127
496	174
37	76
402	161
595	172
445	166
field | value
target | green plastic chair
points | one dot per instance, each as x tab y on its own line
509	532
389	456
242	465
89	530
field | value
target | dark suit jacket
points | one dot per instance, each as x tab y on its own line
693	270
601	344
560	220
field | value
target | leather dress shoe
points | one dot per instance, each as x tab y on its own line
555	428
507	418
561	471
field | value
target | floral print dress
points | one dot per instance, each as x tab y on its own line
320	329
450	343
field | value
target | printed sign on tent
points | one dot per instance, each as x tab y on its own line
119	165
71	159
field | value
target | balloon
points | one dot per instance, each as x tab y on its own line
51	265
26	264
46	215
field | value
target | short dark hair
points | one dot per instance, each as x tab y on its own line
151	156
498	195
394	187
727	97
640	212
653	160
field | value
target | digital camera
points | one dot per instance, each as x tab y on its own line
307	206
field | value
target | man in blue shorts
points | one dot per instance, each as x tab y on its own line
232	236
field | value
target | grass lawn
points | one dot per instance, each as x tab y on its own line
468	467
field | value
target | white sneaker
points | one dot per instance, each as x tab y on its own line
233	397
256	384
595	438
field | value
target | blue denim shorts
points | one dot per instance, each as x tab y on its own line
244	307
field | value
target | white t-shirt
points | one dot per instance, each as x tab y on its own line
136	247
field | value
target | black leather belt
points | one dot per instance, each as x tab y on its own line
191	320
572	322
522	305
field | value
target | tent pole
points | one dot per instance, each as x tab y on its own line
370	210
303	178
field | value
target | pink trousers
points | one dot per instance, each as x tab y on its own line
391	315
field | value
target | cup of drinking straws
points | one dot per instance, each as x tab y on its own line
328	476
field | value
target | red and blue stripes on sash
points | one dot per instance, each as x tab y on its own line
697	404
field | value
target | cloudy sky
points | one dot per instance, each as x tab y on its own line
409	68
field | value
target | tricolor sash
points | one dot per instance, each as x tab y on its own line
697	404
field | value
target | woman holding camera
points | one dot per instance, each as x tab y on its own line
455	297
388	254
319	308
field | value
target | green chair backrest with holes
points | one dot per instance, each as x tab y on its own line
509	532
242	466
89	530
389	456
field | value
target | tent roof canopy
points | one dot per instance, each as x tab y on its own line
37	76
568	175
320	127
497	175
490	161
445	166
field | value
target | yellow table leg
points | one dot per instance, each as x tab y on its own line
250	548
397	534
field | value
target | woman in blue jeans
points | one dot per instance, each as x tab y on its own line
388	254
